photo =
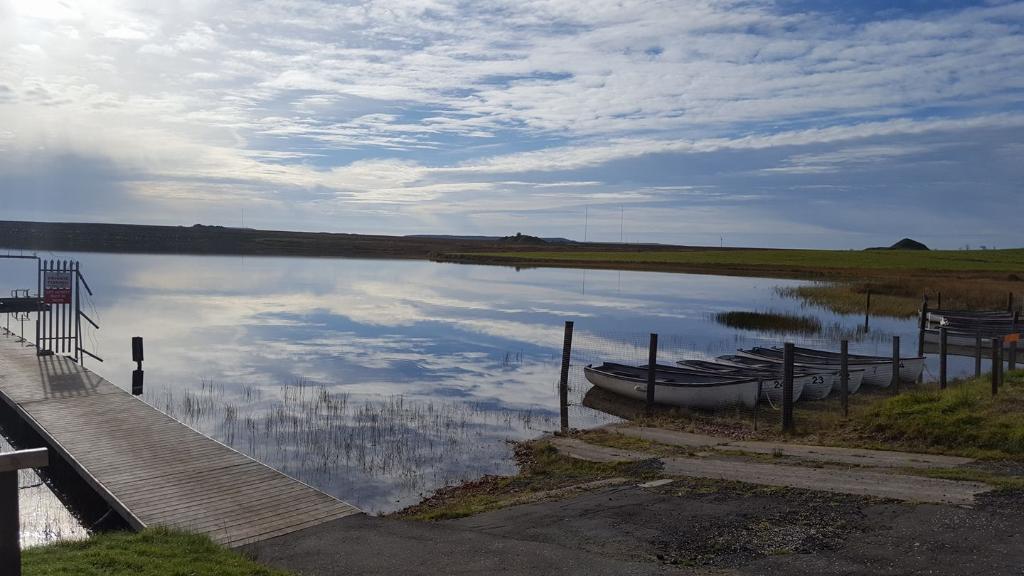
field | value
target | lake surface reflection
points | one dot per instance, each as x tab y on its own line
380	381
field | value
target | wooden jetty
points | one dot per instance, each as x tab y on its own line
150	468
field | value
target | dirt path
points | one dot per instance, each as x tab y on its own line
882	484
856	456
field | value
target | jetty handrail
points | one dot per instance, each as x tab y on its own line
10	540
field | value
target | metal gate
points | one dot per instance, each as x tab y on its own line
59	324
57	304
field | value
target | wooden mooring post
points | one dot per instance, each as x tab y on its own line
1009	302
137	374
896	364
977	354
787	388
921	325
938	301
1011	355
10	539
563	380
997	363
943	351
844	376
867	309
652	363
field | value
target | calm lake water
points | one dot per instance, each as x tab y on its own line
380	381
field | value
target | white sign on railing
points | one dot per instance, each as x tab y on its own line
57	287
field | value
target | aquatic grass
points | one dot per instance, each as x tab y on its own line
321	434
846	299
151	552
901	297
771	322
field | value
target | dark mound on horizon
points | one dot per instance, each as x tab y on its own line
522	239
905	244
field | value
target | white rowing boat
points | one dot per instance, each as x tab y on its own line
910	367
819	384
771	380
705	392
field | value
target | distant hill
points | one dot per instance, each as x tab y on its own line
905	244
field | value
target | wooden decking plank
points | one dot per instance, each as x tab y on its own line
229	516
254	490
110	460
262	521
165	473
168	469
242	538
107	465
148	451
210	477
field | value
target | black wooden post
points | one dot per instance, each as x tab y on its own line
1011	358
787	388
938	301
997	363
943	350
10	540
921	325
844	375
563	380
1009	302
137	374
896	363
977	354
652	363
867	309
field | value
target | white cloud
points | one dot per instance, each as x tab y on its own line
392	103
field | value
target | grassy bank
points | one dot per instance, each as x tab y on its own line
152	552
543	472
897	279
993	263
965	419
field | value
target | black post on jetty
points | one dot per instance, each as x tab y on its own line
10	541
977	353
943	350
997	363
867	309
1011	355
563	380
921	325
137	374
1009	302
938	301
896	364
787	388
652	363
844	375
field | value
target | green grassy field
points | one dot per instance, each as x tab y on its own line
1009	261
964	419
152	552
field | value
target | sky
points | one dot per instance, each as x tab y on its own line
745	123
